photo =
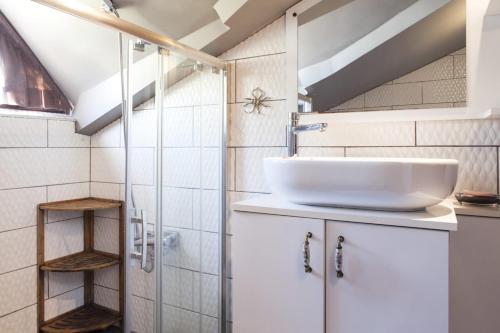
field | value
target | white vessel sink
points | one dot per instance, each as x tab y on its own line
399	184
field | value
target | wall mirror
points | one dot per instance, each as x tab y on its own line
367	56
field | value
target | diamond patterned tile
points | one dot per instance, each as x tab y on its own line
460	64
438	70
109	136
181	167
18	289
24	321
358	134
107	277
143	128
178	127
63	238
143	166
63	303
186	92
143	283
210	252
142	320
210	200
210	172
454	90
55	166
209	295
108	165
18	208
177	320
178	288
107	297
105	190
67	165
22	132
321	152
395	94
187	252
66	192
105	235
208	122
209	325
267	73
253	129
62	134
211	87
145	199
60	283
458	132
18	249
477	165
250	170
268	40
177	207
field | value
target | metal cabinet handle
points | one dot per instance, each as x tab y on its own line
338	257
306	251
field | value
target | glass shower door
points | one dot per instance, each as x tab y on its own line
174	138
192	200
141	137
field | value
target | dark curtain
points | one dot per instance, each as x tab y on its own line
25	83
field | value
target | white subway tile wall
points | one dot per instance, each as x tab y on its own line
42	160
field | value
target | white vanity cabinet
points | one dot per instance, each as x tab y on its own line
272	293
394	279
394	270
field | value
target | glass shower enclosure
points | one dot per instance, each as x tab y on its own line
175	136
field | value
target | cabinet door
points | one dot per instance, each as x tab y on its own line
272	293
395	279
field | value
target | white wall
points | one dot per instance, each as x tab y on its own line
41	160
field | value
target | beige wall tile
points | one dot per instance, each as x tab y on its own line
18	290
18	208
17	249
24	321
62	134
23	132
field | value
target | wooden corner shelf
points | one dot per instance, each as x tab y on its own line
81	204
90	317
82	261
87	318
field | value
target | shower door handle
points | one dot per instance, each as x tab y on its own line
143	255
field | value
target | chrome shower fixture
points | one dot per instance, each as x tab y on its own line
109	7
140	45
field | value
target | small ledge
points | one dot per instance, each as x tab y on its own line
34	115
88	318
82	261
476	210
81	204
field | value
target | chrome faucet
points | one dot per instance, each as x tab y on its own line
294	128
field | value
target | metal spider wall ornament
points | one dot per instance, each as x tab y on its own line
257	102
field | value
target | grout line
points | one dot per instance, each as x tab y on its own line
16	229
256	56
65	292
18	269
21	309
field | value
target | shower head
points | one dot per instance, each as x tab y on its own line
109	7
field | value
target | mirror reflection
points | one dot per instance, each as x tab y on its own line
373	55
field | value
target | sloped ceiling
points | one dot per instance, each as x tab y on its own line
81	55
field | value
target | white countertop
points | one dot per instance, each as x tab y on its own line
439	217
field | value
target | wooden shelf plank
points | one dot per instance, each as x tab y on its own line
88	318
82	261
81	204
